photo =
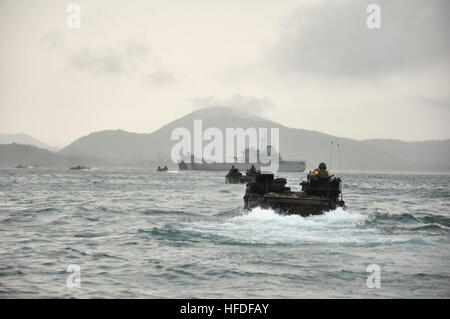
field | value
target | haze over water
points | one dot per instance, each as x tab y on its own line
138	233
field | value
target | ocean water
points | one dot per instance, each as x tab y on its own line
136	233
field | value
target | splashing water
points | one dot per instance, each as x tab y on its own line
265	226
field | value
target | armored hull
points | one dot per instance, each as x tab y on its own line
234	179
292	203
316	197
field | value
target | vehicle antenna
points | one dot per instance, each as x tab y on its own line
339	158
340	167
331	155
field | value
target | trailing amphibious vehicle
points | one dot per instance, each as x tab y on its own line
250	174
234	176
318	195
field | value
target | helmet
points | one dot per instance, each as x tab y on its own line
322	166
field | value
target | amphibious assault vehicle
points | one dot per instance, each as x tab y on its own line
234	176
318	195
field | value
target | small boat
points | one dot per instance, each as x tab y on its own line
164	169
79	167
318	195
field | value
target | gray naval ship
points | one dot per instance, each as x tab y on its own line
244	164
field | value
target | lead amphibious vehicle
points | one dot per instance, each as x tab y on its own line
318	195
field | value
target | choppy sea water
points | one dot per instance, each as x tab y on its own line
143	234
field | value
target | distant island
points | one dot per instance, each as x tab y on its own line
127	149
25	139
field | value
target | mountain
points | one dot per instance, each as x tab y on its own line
22	138
430	155
295	144
157	145
12	155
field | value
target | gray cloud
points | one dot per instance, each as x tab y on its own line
249	104
332	39
161	77
105	61
53	39
110	61
442	104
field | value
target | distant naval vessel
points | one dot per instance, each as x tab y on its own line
243	164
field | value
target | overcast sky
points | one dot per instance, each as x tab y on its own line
136	65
